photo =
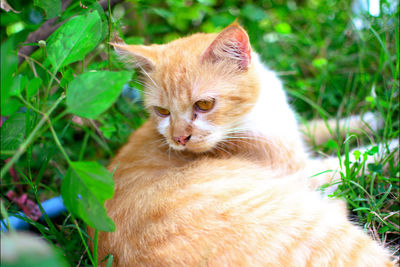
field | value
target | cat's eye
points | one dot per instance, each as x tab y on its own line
161	111
204	105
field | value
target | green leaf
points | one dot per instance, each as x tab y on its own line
93	6
92	93
10	107
33	87
319	63
378	168
18	85
373	150
67	76
371	100
356	154
110	260
9	62
85	188
383	229
52	8
74	39
87	2
283	28
108	130
12	132
331	144
104	19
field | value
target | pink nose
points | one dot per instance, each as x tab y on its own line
182	139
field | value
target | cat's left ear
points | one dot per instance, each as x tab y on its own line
139	56
232	44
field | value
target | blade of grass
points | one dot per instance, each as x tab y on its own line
4	213
83	241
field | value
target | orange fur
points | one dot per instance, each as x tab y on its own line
181	78
229	212
237	193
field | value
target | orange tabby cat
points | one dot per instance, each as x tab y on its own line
218	174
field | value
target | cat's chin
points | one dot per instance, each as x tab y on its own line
193	147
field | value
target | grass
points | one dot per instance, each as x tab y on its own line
329	68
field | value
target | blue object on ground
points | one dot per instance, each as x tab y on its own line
52	208
131	92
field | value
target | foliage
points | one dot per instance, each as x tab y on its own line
73	92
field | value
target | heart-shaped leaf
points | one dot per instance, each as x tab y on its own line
85	188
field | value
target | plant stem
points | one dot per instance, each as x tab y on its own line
109	34
58	143
30	139
59	116
83	148
84	242
48	89
56	119
39	64
22	148
29	105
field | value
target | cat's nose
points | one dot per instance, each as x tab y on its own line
182	139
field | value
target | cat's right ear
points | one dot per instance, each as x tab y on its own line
232	44
138	56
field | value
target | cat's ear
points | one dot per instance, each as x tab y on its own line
232	43
138	56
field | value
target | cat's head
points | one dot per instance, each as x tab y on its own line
198	88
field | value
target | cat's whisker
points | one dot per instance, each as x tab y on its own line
218	147
238	131
140	81
145	72
241	137
257	140
159	140
227	143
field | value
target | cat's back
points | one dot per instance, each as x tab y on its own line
232	213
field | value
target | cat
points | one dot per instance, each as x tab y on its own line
218	174
231	212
